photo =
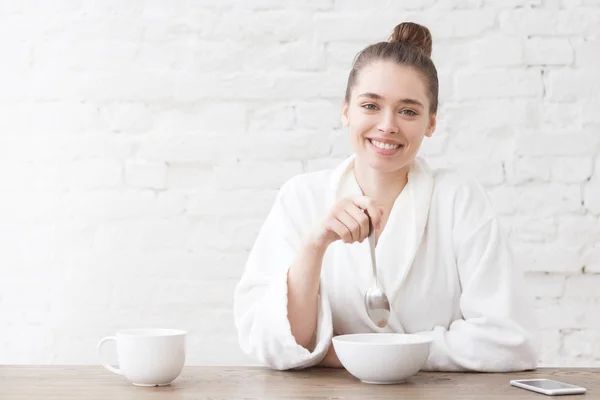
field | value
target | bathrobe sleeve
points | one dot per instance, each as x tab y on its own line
498	332
260	300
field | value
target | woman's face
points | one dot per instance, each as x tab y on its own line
388	116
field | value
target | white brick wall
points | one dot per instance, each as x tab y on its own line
142	144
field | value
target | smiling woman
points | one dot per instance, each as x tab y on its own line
441	257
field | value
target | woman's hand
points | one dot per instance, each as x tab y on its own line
331	360
347	221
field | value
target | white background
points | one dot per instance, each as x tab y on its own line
142	144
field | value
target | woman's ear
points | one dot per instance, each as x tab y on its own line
345	115
432	124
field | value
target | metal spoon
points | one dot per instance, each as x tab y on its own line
376	302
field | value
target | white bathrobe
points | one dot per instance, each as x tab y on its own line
442	262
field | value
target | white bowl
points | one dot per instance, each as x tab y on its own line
382	358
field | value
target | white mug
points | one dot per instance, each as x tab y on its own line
148	357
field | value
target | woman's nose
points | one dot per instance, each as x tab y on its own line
387	123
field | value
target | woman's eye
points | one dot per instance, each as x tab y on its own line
370	107
408	112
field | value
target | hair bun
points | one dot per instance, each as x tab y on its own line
413	34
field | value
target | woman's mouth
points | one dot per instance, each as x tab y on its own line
385	149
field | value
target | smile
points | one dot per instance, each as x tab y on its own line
384	148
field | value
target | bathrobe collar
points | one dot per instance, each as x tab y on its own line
404	230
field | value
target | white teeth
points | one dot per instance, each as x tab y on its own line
385	146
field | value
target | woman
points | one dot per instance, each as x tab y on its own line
442	260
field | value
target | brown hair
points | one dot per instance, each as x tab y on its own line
410	45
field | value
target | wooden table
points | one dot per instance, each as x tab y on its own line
78	382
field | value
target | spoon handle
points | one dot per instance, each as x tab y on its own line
372	247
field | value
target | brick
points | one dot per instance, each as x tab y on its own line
28	344
509	4
578	230
321	164
546	257
569	313
96	174
206	118
65	85
458	23
146	174
545	51
353	26
434	146
579	143
571	85
318	114
543	199
458	4
297	145
587	53
120	204
13	84
532	230
544	285
202	149
446	87
591	197
356	5
584	344
472	144
498	84
452	54
497	51
224	234
28	176
526	169
259	175
561	115
486	172
165	236
493	114
503	199
262	25
340	143
39	7
583	286
186	177
590	114
341	54
551	342
205	265
271	117
298	55
29	205
266	4
571	169
92	54
591	260
234	203
154	292
330	84
304	55
549	22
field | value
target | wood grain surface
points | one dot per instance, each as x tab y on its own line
88	382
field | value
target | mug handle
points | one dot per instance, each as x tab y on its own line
108	366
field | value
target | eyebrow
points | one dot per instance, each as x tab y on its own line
376	96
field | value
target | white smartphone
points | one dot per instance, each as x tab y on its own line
547	386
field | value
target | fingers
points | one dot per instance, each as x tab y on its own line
335	226
361	219
348	220
375	212
350	223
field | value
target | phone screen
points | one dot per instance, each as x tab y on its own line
547	384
